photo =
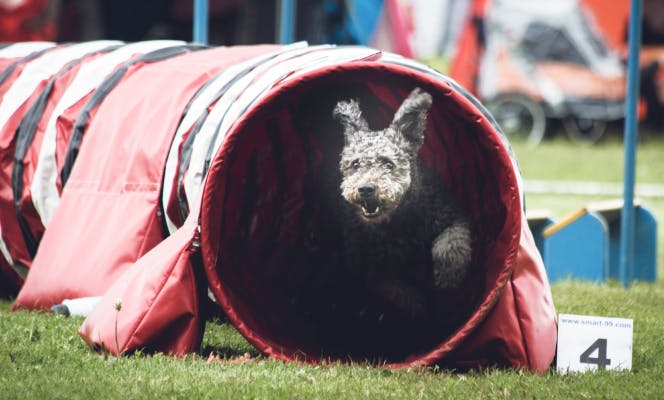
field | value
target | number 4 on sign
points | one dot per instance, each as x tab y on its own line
593	343
601	361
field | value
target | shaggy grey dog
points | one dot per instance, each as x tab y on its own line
403	231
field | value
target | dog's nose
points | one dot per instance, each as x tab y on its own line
366	189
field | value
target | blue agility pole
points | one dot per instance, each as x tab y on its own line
200	33
287	21
626	268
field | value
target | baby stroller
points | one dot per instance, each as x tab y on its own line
546	61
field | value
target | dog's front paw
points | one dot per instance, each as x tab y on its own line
451	252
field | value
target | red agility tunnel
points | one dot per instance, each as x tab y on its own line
235	153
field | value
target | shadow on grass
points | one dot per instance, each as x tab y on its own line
222	340
226	351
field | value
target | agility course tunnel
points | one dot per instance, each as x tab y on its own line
239	143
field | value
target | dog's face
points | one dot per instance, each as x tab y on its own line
376	165
376	173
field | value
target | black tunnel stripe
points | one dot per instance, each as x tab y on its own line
29	239
24	135
185	158
27	128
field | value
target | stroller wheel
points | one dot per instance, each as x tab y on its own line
521	118
584	130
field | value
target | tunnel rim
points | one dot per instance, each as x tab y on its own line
218	168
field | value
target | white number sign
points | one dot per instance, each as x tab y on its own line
591	343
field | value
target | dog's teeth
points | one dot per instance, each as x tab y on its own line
369	213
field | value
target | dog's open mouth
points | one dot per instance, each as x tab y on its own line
370	208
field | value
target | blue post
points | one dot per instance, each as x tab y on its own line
200	21
287	21
626	268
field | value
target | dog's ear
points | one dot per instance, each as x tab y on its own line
411	117
350	116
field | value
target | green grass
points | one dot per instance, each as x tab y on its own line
41	356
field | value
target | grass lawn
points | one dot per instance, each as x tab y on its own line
41	356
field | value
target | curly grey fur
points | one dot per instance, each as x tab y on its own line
403	231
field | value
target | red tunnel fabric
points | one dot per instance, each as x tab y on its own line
159	300
109	207
269	245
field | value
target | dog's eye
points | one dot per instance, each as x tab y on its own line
389	165
355	164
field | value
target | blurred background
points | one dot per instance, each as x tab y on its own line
543	68
551	72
